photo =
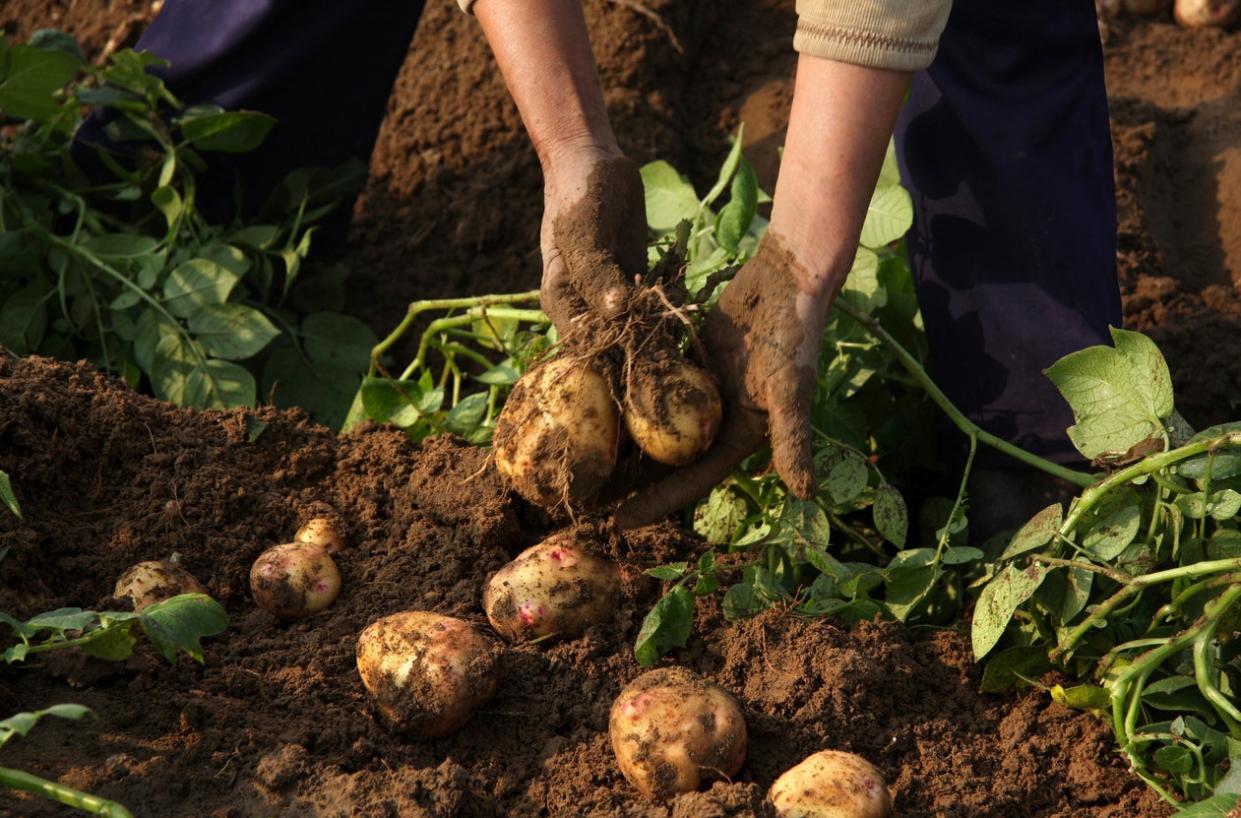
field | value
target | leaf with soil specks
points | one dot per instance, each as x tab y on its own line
7	496
667	626
718	519
891	518
1036	533
1119	396
1112	525
181	622
997	603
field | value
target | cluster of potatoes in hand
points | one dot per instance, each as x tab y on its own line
557	438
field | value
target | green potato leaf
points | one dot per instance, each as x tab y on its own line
667	626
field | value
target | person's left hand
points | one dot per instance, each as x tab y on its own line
762	340
593	235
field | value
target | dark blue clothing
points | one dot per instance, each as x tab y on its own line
1004	145
323	68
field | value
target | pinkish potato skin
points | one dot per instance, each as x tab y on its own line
831	784
554	587
672	731
294	580
427	673
154	581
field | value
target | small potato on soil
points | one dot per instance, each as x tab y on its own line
672	731
154	581
322	532
831	784
555	440
294	580
554	587
427	673
1207	13
672	409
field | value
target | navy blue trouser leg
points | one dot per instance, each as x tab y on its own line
1005	146
323	68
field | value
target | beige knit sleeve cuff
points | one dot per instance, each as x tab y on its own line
466	5
900	35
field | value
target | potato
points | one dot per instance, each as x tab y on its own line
294	580
1202	13
831	784
555	440
322	532
672	730
554	587
154	581
427	673
672	409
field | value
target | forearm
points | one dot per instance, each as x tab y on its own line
544	54
841	120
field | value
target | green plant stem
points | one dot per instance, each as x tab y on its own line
1110	573
965	477
21	780
1177	602
1136	584
473	314
954	414
1094	494
1227	711
418	307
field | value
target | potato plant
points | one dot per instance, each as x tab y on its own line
1135	588
119	265
175	625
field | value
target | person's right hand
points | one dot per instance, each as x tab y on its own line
593	235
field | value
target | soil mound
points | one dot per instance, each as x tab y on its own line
277	722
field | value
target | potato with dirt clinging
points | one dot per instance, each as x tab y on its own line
322	532
831	784
672	409
294	580
555	440
154	581
672	730
554	587
427	673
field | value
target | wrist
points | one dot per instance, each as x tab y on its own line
567	163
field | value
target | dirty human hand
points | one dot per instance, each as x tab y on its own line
764	335
593	235
594	214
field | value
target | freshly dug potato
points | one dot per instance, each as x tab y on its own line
427	673
154	581
1205	13
556	439
322	532
554	587
831	784
672	730
672	409
294	580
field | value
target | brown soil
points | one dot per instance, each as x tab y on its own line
277	721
